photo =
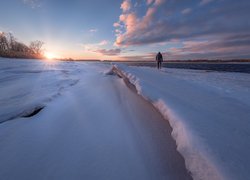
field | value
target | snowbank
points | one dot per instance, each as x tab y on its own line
209	113
197	160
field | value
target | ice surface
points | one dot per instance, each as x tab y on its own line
209	113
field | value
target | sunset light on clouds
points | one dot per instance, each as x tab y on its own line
132	29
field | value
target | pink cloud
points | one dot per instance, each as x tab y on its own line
103	43
126	5
133	24
155	2
116	25
159	2
150	1
110	52
162	23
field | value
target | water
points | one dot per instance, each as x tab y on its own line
228	67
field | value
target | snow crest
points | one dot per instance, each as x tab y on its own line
132	79
196	163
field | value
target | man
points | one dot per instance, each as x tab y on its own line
159	60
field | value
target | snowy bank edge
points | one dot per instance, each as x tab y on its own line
197	161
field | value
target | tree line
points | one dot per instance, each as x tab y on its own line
10	47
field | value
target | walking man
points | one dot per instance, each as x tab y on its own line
159	60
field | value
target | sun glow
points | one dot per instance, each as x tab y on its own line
50	55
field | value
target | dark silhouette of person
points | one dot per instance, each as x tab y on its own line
159	60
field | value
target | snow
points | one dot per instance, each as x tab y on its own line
31	84
209	113
92	126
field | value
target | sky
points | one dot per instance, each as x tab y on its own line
132	29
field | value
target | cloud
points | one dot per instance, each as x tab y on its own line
110	52
186	11
134	25
162	22
98	48
93	46
149	2
126	5
93	30
204	2
159	2
116	25
227	48
33	3
103	43
145	57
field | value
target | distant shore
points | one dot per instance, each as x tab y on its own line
142	61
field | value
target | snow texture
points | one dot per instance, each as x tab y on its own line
28	84
209	113
92	126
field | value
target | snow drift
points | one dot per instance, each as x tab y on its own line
209	114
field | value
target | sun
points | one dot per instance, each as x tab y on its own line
50	55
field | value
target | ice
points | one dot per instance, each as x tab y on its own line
209	113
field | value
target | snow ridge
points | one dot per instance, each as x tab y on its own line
197	162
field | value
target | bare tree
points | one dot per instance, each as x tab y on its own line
36	47
20	47
3	43
10	47
12	42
